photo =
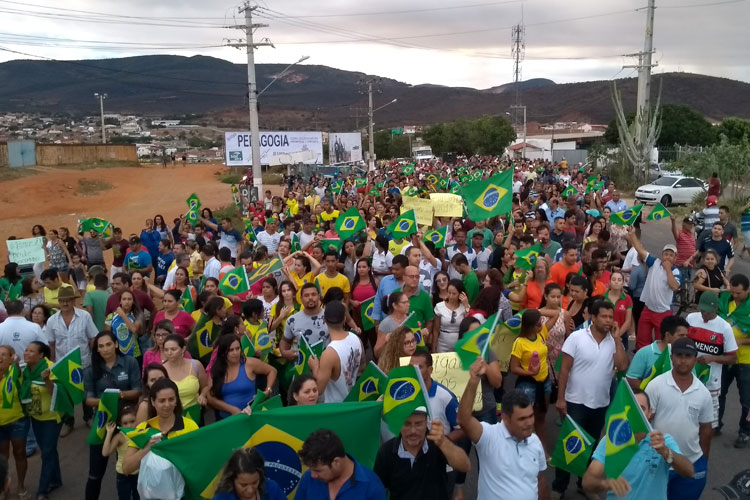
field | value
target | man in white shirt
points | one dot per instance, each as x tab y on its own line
460	247
212	267
306	236
17	331
715	342
589	357
269	237
181	260
511	455
682	407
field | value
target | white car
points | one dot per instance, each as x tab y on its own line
671	190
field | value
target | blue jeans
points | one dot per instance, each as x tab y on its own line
688	488
127	487
741	373
47	433
31	444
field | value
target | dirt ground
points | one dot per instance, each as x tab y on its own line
51	198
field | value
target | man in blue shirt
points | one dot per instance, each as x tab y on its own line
334	474
388	285
164	259
616	204
554	211
138	258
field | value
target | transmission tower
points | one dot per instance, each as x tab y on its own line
517	51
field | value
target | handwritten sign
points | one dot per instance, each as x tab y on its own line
446	369
447	205
27	251
422	208
502	345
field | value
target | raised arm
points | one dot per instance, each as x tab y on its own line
469	424
633	240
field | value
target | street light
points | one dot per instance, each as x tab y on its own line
282	73
370	133
101	98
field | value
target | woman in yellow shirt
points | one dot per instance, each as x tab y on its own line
169	421
300	268
14	425
528	361
46	423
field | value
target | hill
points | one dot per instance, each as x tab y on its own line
320	97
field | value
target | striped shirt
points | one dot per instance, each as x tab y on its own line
685	248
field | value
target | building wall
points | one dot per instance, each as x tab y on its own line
3	155
71	154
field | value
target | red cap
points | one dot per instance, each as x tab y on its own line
712	200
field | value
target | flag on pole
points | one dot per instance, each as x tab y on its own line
369	386
404	393
366	308
260	343
360	182
200	344
331	244
432	179
570	191
294	243
404	226
337	187
662	365
474	343
10	385
106	412
416	328
67	372
573	448
489	198
526	258
193	202
624	418
234	282
304	353
626	217
409	191
658	212
407	169
349	223
437	237
192	216
261	402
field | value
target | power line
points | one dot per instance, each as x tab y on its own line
169	18
406	11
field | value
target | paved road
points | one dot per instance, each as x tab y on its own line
724	463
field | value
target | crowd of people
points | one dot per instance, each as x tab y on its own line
595	307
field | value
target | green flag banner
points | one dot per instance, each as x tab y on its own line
10	386
573	448
626	217
404	226
234	282
193	202
570	191
261	402
200	344
416	327
139	437
475	343
68	374
374	192
658	212
331	244
105	413
366	307
264	270
662	365
304	353
101	226
624	418
437	237
408	169
349	223
489	198
278	435
370	385
404	393
526	258
186	300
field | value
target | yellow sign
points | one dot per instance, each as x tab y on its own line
447	205
422	208
502	345
446	369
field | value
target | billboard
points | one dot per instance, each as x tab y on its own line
344	147
276	148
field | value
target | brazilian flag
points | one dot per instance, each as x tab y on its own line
443	183
101	226
256	340
360	182
410	191
374	192
264	270
261	402
432	179
489	198
106	412
408	169
336	187
658	212
404	226
477	175
10	385
573	449
475	343
331	244
186	301
415	326
67	372
662	365
192	216
369	386
366	314
234	282
201	343
437	236
294	243
626	217
465	178
278	435
456	188
526	258
349	223
623	420
570	191
250	236
193	202
404	393
139	437
305	352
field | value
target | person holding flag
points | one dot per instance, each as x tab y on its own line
647	473
683	408
14	424
443	404
308	322
642	365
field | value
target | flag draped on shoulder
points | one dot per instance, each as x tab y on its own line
626	217
623	420
658	212
278	435
349	223
404	226
139	437
573	448
489	198
437	237
370	385
404	393
106	412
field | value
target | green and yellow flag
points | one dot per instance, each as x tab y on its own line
260	343
193	202
10	385
410	191
139	437
489	198
360	182
658	212
416	327
294	243
261	402
264	270
349	223
105	413
369	386
192	216
662	365
67	372
526	258
626	217
101	226
234	282
186	300
407	169
476	342
404	393
573	448
437	237
702	372
623	420
366	307
403	226
304	353
200	344
374	192
331	244
570	191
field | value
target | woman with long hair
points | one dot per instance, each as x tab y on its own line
188	374
127	324
109	369
268	296
231	387
183	322
58	255
44	421
31	295
709	278
14	424
303	391
398	312
349	260
69	240
440	290
11	284
532	293
400	343
169	421
138	281
155	355
486	304
528	361
282	309
180	285
556	321
244	478
151	373
494	279
576	290
302	269
622	302
448	316
164	231
364	287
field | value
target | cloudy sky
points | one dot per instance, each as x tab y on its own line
459	43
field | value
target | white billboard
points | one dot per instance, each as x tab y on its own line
276	148
344	147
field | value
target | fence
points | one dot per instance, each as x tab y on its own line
26	153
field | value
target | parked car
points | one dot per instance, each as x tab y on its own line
658	170
671	190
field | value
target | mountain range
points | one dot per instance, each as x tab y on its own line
319	97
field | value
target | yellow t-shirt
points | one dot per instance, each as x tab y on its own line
50	296
395	248
15	411
325	283
187	426
293	206
523	349
40	407
197	313
312	201
743	351
325	216
298	282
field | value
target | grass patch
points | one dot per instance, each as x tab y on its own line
87	187
9	174
229	212
100	164
272	175
230	177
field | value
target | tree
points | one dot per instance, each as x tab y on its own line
734	129
492	134
485	135
612	135
730	161
382	144
399	147
436	137
684	126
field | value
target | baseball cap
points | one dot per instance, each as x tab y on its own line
593	212
420	410
685	345
669	247
688	220
712	200
709	302
335	312
134	240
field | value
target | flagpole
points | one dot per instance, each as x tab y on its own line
489	339
407	318
640	410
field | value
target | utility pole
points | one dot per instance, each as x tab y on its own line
370	135
101	98
644	86
252	89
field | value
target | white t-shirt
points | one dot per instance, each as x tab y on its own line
305	238
631	259
591	374
450	320
510	468
18	333
382	261
211	269
714	338
656	292
470	255
517	187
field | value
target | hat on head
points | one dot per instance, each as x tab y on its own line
684	345
688	220
709	302
134	240
669	247
593	212
712	200
67	293
335	312
419	410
